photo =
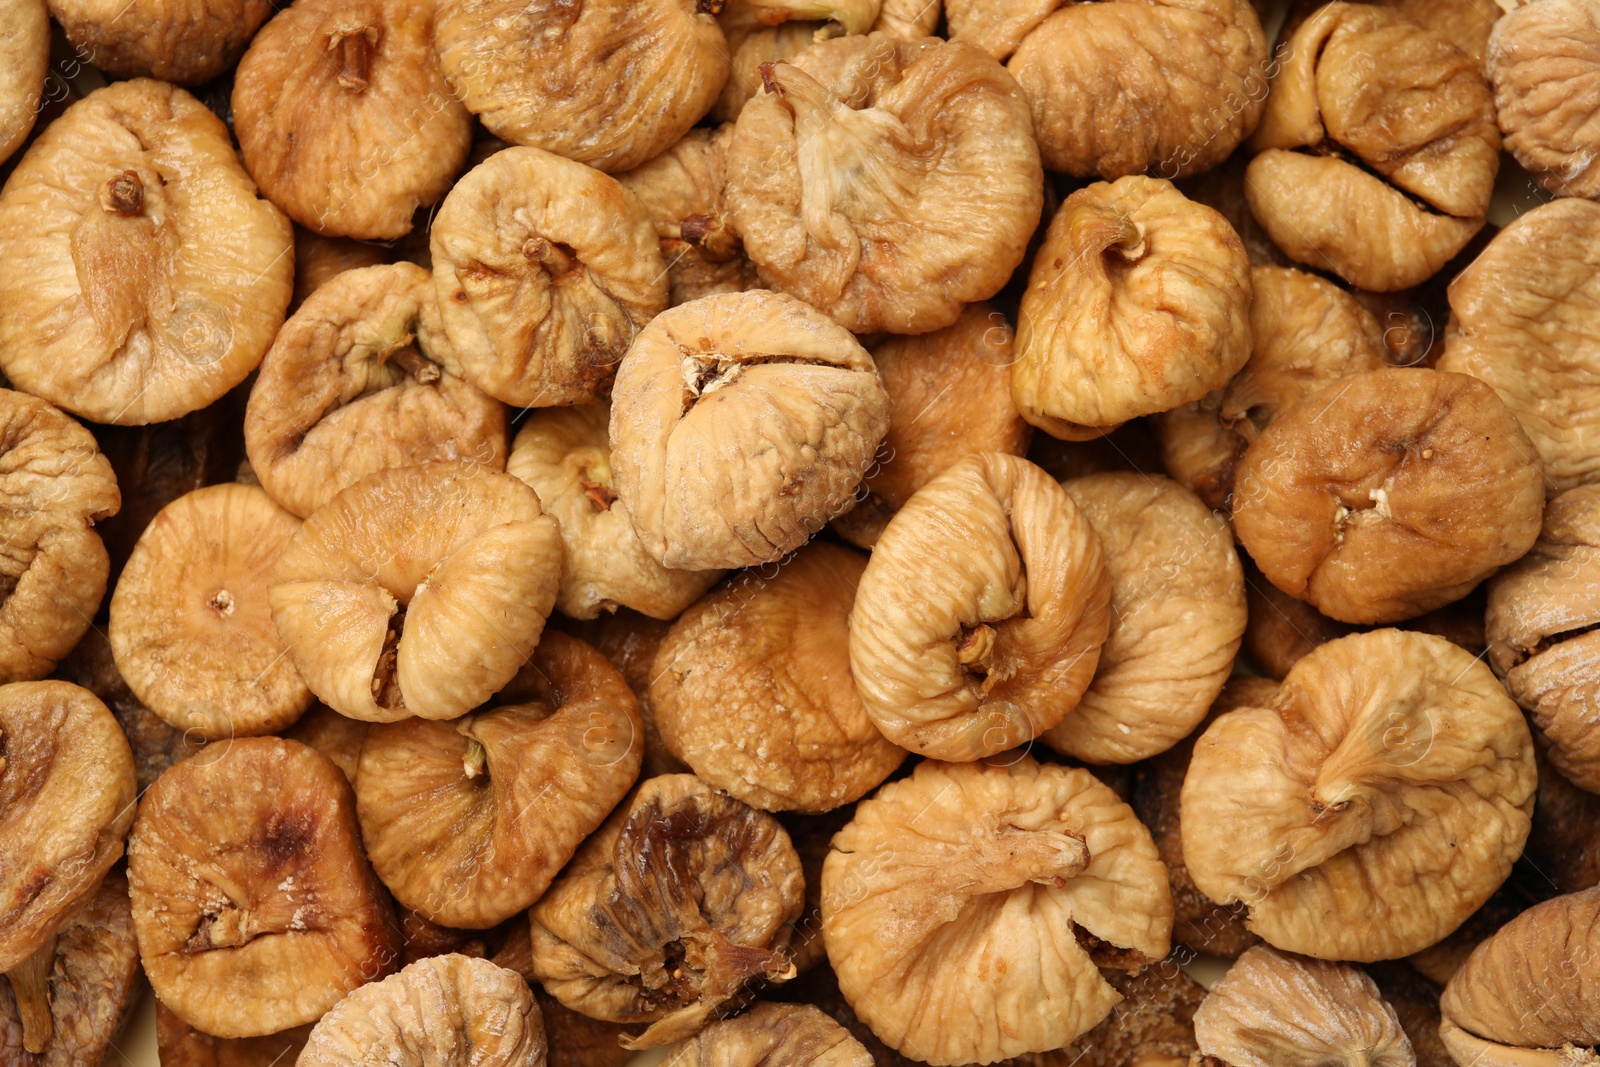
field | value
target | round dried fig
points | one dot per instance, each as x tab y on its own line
545	271
980	616
353	385
417	591
886	182
184	41
1273	1009
344	118
630	640
565	455
940	875
770	1035
318	259
610	83
1138	301
1356	176
140	276
683	897
255	908
740	425
752	688
155	743
181	1045
1523	320
1370	806
334	735
24	63
1544	63
444	1011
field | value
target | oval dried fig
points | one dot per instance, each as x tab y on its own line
24	63
1544	63
183	41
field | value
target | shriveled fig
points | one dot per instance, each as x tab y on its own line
156	744
772	1034
24	62
183	41
1544	63
336	736
630	641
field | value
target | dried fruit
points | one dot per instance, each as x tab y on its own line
24	63
254	906
1544	63
1415	1001
979	619
1370	806
886	182
155	743
181	1045
1466	24
182	42
910	19
772	1034
755	47
417	591
740	425
1138	301
630	640
318	259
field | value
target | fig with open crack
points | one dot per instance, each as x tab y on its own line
254	906
1544	64
740	425
353	384
940	877
886	182
545	271
141	277
344	118
1388	494
769	1035
1138	301
183	41
24	63
610	83
54	485
682	898
1353	174
1370	806
980	617
417	591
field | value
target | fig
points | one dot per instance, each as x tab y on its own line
630	641
771	1034
155	743
1543	61
183	41
181	1045
24	64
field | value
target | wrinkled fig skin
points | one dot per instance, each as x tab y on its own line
1273	1009
738	17
335	736
740	425
183	41
966	889
1389	494
1370	806
886	182
141	277
1138	301
610	83
1544	64
752	688
445	1011
353	384
575	1040
417	591
669	911
468	821
766	44
318	259
1527	886
54	485
1524	320
181	1045
980	618
1355	177
630	641
773	1035
344	118
910	19
66	801
24	63
545	270
254	906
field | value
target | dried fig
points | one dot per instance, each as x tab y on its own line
335	736
1467	24
181	1045
1388	494
417	591
939	876
155	743
545	271
184	41
910	19
886	182
1544	63
318	259
752	688
1415	1001
770	1035
254	907
630	640
980	617
344	118
1138	301
24	63
679	900
757	46
740	425
1370	806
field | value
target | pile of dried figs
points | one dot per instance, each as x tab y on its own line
820	533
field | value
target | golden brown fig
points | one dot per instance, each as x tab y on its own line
183	41
545	270
181	1045
255	908
1544	64
752	688
334	735
911	19
344	118
839	17
191	628
353	384
24	63
630	640
665	914
753	47
769	1035
740	425
155	743
886	182
1138	301
1370	806
317	259
940	875
417	591
468	821
610	83
1467	24
980	617
140	276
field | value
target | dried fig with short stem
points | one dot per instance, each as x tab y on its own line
1543	61
981	614
417	591
183	41
24	63
769	1035
630	640
181	1045
155	743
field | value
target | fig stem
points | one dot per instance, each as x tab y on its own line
124	195
557	258
975	649
30	984
1108	230
476	761
353	55
424	370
